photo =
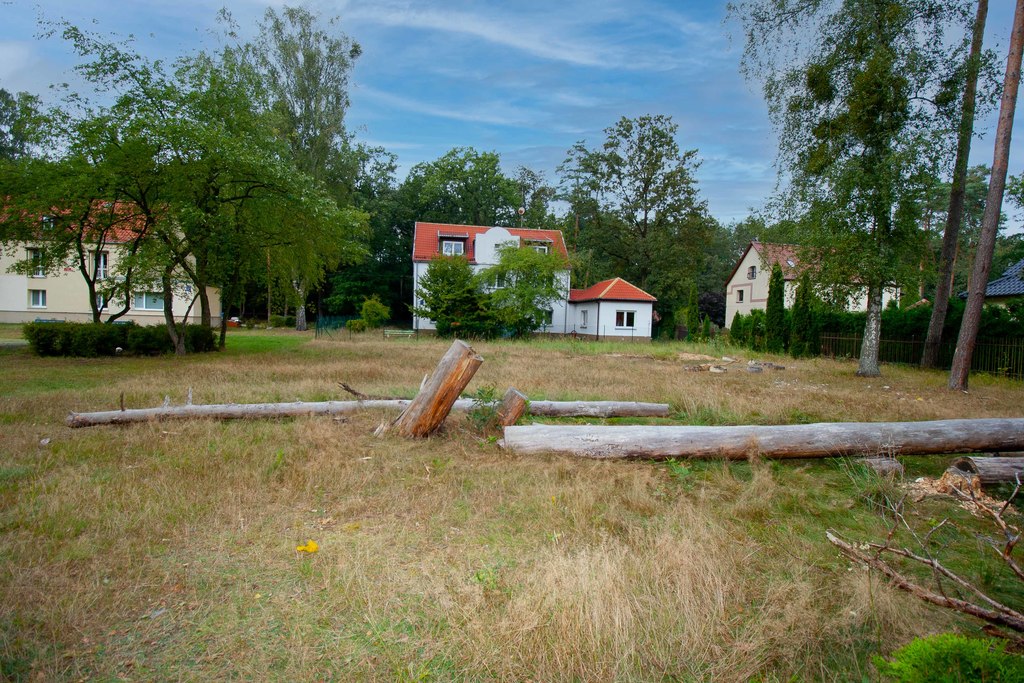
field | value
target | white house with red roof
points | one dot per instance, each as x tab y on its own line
613	308
746	289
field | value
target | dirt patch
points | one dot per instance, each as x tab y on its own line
698	357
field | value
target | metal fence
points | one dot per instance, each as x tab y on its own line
328	326
1003	357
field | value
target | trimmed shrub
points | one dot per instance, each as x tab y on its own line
953	658
199	339
374	313
151	340
77	339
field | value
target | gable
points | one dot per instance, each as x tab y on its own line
428	238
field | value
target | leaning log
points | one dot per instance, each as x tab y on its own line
785	441
239	411
990	470
432	404
512	407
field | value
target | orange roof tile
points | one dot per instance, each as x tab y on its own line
615	289
427	238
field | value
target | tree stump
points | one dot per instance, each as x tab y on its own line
512	407
991	470
438	394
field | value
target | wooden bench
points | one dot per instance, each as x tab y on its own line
399	333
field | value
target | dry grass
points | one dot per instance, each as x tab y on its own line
168	550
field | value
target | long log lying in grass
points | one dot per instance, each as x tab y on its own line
237	411
991	470
785	441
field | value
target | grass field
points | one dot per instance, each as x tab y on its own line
168	551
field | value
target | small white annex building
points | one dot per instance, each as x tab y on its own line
747	287
610	309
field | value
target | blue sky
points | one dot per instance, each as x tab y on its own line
524	79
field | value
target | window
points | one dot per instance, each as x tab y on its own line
583	317
101	266
499	281
541	248
149	301
37	298
101	302
547	317
453	248
751	272
625	318
36	257
739	296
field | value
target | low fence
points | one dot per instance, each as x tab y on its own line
328	326
1004	357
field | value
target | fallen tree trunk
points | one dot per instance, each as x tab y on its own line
991	470
785	441
431	406
237	411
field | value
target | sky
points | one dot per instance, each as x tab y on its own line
525	79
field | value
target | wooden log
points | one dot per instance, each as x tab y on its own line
598	409
991	470
237	411
884	466
785	441
435	400
512	407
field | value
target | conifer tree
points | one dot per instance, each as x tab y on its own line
775	313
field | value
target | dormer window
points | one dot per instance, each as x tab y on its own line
752	272
453	247
540	248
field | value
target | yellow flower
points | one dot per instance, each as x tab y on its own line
310	547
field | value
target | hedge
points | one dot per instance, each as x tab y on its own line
104	339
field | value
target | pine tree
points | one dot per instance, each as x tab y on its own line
803	321
775	313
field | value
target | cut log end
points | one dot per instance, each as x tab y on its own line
512	407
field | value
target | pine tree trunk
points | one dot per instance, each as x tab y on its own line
954	216
868	366
993	205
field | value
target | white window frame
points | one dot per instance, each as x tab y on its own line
628	319
548	317
101	301
102	266
37	298
584	314
36	258
145	298
540	248
448	247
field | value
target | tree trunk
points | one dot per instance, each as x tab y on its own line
823	440
205	313
237	411
300	308
954	216
513	405
868	366
991	470
993	205
177	338
431	406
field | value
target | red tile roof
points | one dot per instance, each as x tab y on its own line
122	224
771	253
427	238
615	289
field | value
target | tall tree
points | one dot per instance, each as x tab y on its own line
463	186
775	312
638	205
307	65
19	119
960	371
930	356
846	83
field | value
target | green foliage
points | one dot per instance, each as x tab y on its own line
692	314
756	323
103	339
804	339
356	325
450	296
640	214
484	413
775	312
282	320
953	658
531	286
374	313
739	330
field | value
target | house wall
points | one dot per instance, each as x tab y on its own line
755	292
642	320
67	296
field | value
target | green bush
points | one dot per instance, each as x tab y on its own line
953	658
279	321
149	340
375	313
199	339
76	339
356	325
